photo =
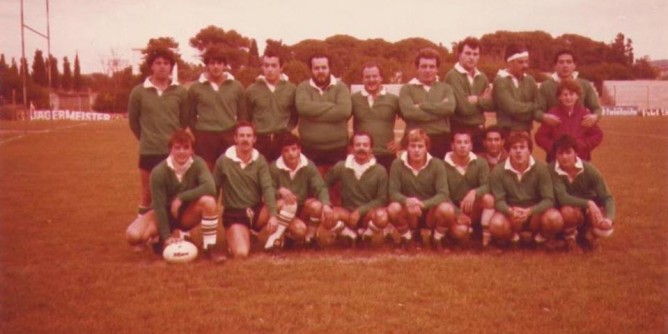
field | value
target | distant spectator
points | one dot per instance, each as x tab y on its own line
570	116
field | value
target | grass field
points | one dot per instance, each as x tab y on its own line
68	191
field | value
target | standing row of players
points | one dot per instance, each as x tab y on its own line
213	106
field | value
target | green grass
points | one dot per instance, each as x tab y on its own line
67	195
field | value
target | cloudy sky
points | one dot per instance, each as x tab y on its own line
99	29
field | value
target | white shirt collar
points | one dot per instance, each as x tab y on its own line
332	82
356	167
556	78
508	166
149	84
370	97
203	78
283	77
578	164
280	164
505	74
231	153
404	158
462	70
179	170
460	169
382	91
417	82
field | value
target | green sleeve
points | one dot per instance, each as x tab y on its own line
410	111
441	184
218	176
483	178
325	111
243	113
206	184
268	191
546	190
184	109
464	108
591	101
134	109
503	98
380	198
603	194
248	105
395	182
333	175
562	195
498	190
445	107
318	186
159	203
192	107
541	104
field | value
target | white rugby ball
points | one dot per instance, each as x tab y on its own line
180	252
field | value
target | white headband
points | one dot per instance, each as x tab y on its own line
517	56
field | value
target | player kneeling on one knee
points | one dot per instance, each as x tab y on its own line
586	203
183	196
302	194
242	174
363	191
524	198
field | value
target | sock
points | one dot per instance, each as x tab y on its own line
515	238
486	236
184	234
338	227
438	235
209	231
371	229
407	236
539	238
348	233
276	235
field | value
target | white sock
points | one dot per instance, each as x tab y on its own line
339	226
438	235
346	232
208	225
408	235
275	236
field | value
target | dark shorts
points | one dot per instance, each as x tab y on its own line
210	145
326	157
233	216
269	145
477	134
148	161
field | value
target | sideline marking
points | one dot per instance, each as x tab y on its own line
24	133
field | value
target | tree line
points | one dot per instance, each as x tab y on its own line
597	61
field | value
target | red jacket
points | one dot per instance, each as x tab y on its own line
587	138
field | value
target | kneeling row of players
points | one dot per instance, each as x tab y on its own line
450	196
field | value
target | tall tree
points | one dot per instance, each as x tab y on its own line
39	74
628	51
235	46
618	50
3	64
253	55
77	80
66	82
55	74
